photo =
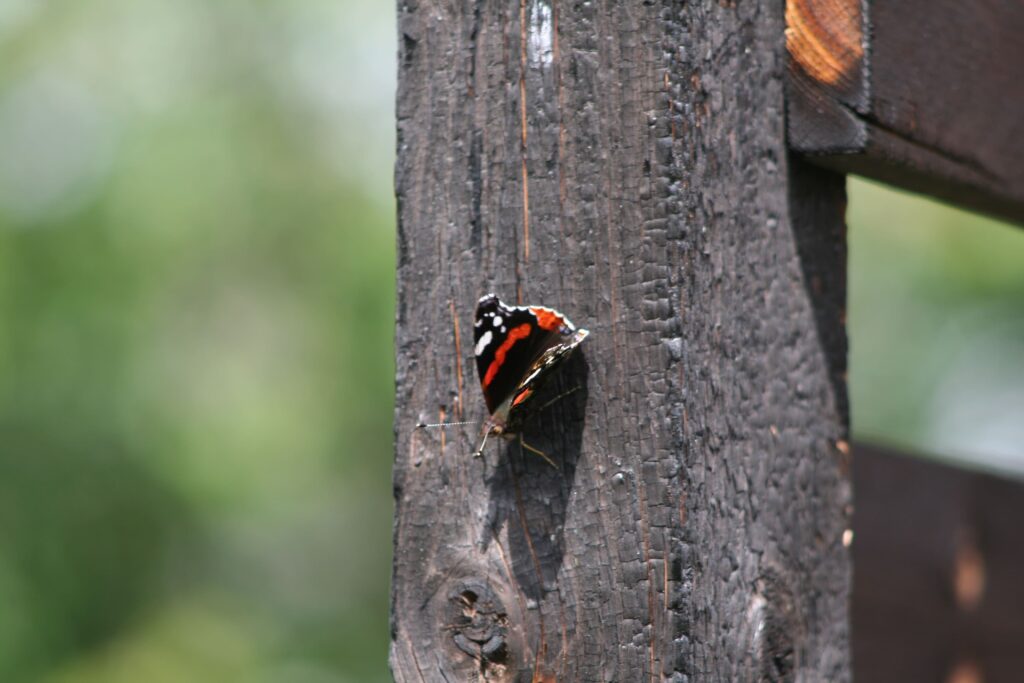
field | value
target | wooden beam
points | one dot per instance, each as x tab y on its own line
938	558
923	95
626	163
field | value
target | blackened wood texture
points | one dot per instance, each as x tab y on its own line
626	163
923	95
937	591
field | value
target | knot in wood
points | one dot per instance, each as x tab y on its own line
478	621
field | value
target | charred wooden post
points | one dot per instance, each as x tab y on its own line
625	163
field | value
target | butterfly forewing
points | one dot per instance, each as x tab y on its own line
508	342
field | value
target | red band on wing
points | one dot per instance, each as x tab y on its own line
548	320
514	335
522	397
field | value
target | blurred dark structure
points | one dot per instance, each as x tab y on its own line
937	558
924	96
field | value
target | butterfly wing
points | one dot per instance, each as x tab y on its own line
539	371
515	346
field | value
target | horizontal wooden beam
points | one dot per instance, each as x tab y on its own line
922	94
938	559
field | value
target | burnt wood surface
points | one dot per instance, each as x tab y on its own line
938	561
624	162
923	95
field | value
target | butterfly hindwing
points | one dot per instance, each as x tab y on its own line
535	377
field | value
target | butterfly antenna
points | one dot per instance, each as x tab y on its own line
523	444
433	425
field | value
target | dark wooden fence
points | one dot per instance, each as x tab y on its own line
923	95
633	164
938	561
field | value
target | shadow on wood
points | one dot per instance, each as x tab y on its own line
527	493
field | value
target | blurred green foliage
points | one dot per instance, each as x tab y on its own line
196	372
936	325
196	295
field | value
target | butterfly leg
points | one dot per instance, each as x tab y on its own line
523	444
479	452
558	398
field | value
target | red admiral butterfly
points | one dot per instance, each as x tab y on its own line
516	349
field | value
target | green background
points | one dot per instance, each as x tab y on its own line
196	372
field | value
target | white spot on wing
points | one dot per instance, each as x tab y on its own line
482	343
497	321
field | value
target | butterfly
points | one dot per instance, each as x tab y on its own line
516	350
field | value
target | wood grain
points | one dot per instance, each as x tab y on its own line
922	95
625	163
